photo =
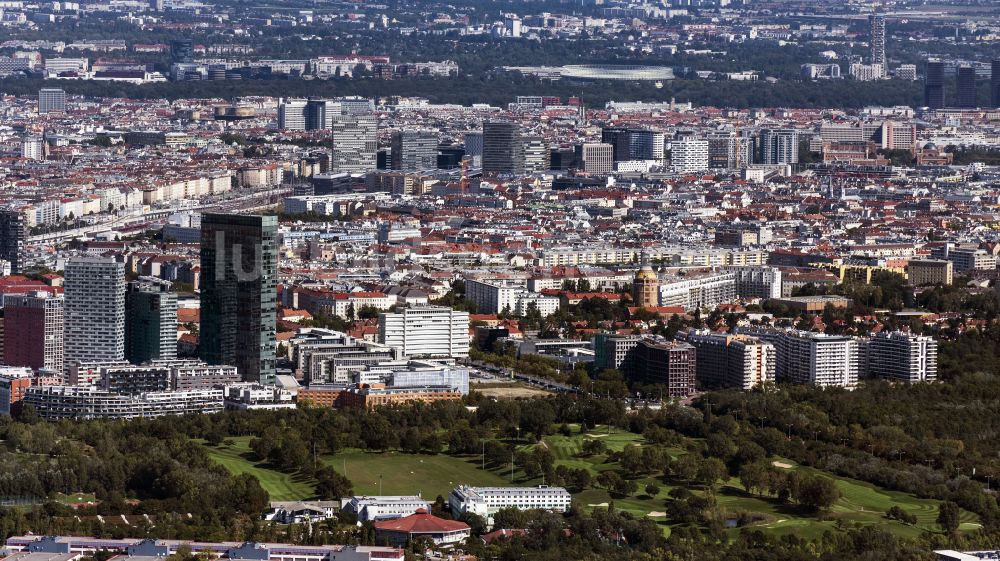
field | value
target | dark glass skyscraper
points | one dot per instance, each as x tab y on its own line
966	82
995	83
150	321
182	51
934	85
239	269
503	148
13	235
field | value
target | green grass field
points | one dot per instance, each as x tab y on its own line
399	473
281	486
410	474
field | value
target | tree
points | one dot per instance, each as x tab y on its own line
948	517
332	485
652	489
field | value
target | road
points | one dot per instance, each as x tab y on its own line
530	380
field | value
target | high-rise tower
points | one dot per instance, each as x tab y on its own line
239	269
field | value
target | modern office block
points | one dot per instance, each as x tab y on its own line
355	143
966	97
902	357
614	351
151	321
597	158
182	51
670	363
503	149
934	84
13	235
51	100
995	83
292	115
537	157
779	146
413	150
426	331
33	330
95	309
239	293
315	116
922	272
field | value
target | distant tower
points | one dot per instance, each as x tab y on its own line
877	44
966	88
934	84
995	83
646	286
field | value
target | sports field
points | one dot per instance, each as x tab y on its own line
399	473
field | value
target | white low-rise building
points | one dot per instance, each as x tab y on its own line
384	507
487	501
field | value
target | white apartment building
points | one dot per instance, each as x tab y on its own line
384	507
486	501
756	282
689	156
355	143
902	357
702	292
94	309
426	331
732	361
813	358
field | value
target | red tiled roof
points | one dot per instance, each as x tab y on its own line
421	523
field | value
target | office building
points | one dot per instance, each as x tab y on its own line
150	321
473	144
876	24
597	158
14	384
731	361
34	330
13	235
934	85
689	156
355	143
995	83
487	501
95	309
503	148
922	272
51	100
965	80
315	116
779	146
902	357
614	352
965	257
427	331
239	293
634	144
376	396
182	51
292	115
812	358
536	154
413	150
322	356
668	363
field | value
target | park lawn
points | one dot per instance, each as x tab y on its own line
411	474
280	486
75	498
